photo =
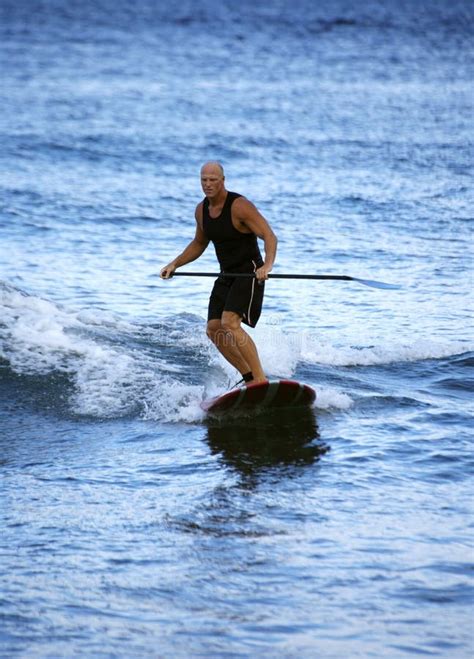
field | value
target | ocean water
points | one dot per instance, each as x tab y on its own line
134	526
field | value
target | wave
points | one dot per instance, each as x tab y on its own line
108	367
98	365
285	349
316	352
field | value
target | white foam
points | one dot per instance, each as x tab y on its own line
118	368
34	337
319	352
173	402
328	398
40	338
280	351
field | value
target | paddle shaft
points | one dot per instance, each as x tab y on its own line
251	274
366	282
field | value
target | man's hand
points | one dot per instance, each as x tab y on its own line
262	273
167	271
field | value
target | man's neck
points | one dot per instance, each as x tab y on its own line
218	200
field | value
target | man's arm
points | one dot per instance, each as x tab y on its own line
249	219
192	252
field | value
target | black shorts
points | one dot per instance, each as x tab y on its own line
242	295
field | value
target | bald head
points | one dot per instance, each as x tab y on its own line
212	167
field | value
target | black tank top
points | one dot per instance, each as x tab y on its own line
235	251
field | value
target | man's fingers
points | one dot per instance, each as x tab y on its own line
166	272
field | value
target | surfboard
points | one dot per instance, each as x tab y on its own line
269	394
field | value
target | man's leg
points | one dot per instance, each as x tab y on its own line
226	345
242	344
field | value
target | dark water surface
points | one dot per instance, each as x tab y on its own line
134	526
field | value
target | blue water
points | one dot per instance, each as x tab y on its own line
132	525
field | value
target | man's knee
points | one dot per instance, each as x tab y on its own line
213	328
230	321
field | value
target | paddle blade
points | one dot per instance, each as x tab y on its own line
377	284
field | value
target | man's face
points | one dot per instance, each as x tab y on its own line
212	181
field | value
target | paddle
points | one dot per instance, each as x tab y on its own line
366	282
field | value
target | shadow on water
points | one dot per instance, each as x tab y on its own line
275	438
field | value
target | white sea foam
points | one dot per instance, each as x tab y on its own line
280	351
329	398
118	368
320	352
173	402
37	337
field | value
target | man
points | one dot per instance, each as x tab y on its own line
233	224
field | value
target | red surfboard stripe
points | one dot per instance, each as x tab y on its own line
287	395
255	394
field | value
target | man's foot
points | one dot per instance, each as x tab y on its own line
257	381
248	378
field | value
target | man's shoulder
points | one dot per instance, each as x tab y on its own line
198	211
235	195
241	203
